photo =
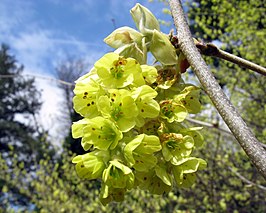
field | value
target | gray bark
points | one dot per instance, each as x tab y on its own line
228	112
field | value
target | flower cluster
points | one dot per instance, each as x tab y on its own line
132	127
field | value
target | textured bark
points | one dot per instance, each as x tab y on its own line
230	115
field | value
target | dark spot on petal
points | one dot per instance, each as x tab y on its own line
88	104
92	102
93	128
142	110
85	93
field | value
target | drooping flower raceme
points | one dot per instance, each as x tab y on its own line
132	128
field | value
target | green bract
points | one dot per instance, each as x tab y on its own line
189	97
172	111
99	132
86	93
149	73
139	152
90	165
162	49
109	194
118	72
147	106
176	147
154	181
184	173
120	107
132	127
118	175
133	50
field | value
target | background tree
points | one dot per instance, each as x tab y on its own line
20	102
69	70
20	135
239	27
231	182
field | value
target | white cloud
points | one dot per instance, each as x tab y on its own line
51	111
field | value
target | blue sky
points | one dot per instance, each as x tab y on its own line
42	32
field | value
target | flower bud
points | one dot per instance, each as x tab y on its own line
144	19
123	36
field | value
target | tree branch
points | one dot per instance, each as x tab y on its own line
227	111
214	126
245	180
212	50
209	125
